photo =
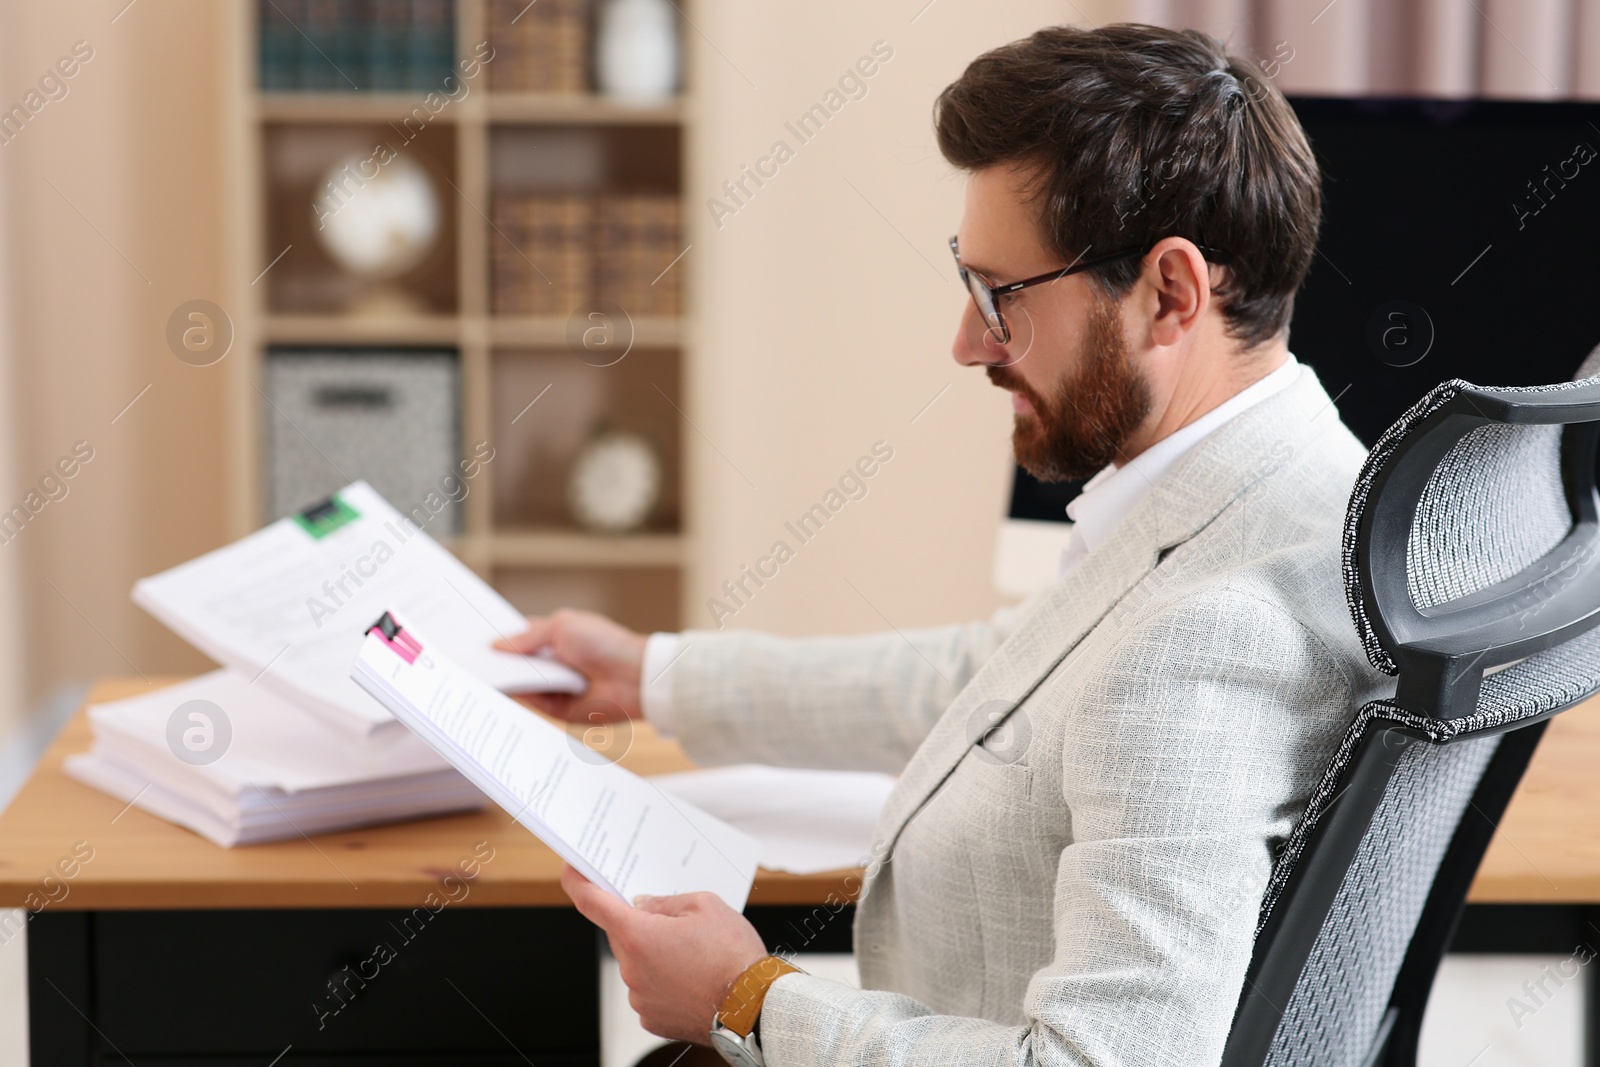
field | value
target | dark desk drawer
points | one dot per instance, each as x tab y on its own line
485	981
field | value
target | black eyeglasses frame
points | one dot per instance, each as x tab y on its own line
996	322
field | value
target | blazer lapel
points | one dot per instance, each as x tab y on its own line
1216	471
1040	641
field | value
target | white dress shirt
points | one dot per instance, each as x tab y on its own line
1109	496
1105	501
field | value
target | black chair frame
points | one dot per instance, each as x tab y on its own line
1441	655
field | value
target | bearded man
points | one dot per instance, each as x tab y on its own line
1092	785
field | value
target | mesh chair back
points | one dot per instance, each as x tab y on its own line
1472	568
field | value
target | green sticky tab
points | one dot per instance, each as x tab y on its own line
322	519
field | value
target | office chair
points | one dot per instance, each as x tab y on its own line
1472	569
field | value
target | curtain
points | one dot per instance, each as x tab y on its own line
1524	49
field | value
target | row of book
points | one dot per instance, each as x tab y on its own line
553	252
539	48
356	45
390	45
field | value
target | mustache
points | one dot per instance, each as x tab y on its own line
1002	377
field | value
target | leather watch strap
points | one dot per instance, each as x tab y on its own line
742	1006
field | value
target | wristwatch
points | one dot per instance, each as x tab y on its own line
733	1028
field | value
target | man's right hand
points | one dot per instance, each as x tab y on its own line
610	656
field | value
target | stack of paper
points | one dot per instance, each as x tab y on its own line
282	742
240	765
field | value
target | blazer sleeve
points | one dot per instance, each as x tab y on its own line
839	703
1190	747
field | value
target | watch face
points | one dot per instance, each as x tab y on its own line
731	1048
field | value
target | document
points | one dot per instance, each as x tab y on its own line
619	830
287	605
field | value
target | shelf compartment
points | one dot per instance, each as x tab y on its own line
547	404
628	155
302	278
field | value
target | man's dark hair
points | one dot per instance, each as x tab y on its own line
1135	133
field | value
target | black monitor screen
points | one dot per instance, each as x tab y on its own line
1460	239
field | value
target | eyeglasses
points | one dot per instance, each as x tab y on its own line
987	297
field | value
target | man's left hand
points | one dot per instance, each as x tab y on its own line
679	955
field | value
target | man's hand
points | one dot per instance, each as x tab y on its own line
610	656
678	955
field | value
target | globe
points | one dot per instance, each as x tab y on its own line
379	226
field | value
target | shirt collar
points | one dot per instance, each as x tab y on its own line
1108	497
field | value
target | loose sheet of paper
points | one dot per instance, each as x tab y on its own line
615	827
807	821
287	608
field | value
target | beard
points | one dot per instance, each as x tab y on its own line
1085	422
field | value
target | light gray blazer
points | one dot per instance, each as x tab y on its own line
1080	884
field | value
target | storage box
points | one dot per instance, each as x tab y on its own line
388	416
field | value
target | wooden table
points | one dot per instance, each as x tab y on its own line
141	861
163	933
164	945
1547	848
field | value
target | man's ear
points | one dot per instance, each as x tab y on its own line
1182	281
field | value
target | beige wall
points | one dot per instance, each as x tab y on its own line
826	306
95	264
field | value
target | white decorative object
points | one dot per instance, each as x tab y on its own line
615	483
377	219
636	57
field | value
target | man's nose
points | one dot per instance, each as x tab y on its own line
975	344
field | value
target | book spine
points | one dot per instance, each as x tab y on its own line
432	43
610	233
505	277
497	23
270	27
578	239
538	48
570	47
351	45
664	244
519	30
388	40
445	44
548	283
319	27
637	239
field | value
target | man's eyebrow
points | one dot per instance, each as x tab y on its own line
979	268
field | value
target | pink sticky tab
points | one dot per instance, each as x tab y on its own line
403	645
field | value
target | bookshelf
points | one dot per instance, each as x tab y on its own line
516	530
